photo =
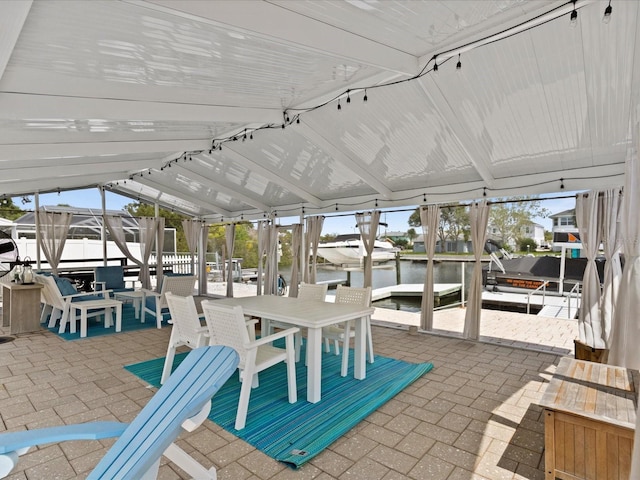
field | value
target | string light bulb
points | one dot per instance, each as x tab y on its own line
339	107
459	64
435	64
365	98
573	19
607	14
348	97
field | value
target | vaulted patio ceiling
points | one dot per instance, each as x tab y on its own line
115	93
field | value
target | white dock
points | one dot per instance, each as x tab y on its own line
553	306
440	290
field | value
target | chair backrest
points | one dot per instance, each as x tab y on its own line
353	295
227	326
184	315
112	276
178	284
313	291
50	291
157	426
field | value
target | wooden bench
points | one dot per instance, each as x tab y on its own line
590	417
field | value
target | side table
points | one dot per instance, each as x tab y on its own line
21	307
135	296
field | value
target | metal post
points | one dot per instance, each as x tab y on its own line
103	231
398	276
463	265
36	197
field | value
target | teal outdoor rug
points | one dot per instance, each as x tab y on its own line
295	433
95	325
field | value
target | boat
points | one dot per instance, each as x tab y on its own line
348	250
555	273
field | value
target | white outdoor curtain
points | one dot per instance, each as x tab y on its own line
368	226
230	238
296	242
263	240
117	232
148	227
160	221
429	217
610	213
625	329
479	216
54	227
191	229
271	270
590	330
314	230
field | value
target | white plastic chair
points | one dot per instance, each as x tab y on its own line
155	303
343	332
307	291
185	331
227	327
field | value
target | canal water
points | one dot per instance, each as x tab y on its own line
410	272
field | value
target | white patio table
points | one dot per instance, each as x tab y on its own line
312	315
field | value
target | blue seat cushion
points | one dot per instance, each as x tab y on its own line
86	298
65	286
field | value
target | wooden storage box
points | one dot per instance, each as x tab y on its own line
590	417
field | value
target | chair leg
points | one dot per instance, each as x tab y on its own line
291	369
64	320
189	464
345	349
47	310
298	345
336	344
53	318
168	362
158	315
369	339
245	393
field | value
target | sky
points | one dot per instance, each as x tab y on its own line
397	221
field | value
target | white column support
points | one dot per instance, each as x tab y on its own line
38	239
103	229
202	260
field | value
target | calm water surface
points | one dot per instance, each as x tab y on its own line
410	272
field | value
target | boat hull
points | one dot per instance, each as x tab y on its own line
353	252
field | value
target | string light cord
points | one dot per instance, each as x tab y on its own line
494	193
292	115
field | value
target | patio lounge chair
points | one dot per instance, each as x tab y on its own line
56	302
155	303
111	278
186	329
183	402
227	326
